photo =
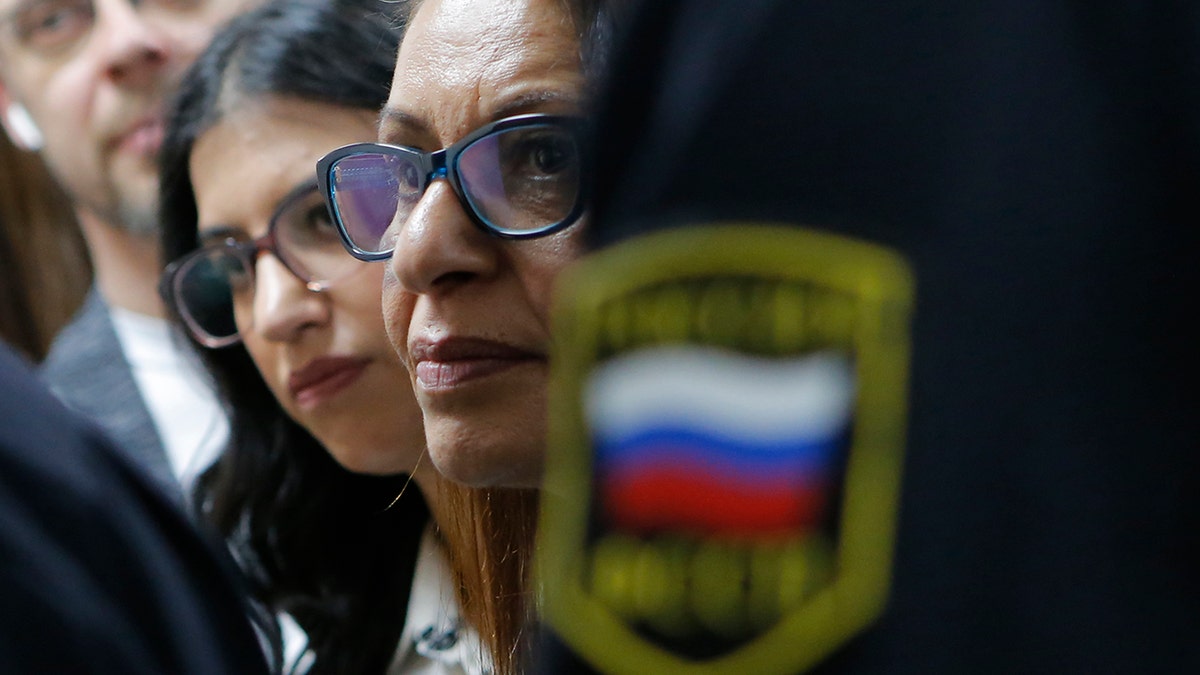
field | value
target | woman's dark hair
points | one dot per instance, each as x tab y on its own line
315	540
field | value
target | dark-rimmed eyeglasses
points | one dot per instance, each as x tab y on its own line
210	285
519	177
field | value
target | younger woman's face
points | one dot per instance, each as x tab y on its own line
324	354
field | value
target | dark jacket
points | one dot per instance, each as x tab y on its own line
101	570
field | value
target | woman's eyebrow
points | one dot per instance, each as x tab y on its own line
209	235
397	123
536	101
394	122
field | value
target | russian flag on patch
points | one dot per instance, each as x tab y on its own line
699	439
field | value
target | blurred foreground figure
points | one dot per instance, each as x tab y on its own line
102	572
1037	166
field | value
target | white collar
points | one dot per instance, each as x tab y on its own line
435	641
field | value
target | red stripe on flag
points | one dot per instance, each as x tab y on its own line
667	498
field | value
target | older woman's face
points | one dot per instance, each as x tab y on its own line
468	311
324	354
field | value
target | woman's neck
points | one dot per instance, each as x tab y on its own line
430	482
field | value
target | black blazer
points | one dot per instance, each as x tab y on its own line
100	569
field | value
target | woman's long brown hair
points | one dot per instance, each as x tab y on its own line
489	536
490	532
44	267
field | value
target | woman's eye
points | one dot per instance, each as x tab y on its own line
225	261
239	279
306	227
408	177
542	155
317	219
551	157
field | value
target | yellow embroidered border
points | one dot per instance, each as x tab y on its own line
816	289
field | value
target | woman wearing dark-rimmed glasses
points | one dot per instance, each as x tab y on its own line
476	195
313	490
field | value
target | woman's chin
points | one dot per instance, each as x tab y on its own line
371	463
488	465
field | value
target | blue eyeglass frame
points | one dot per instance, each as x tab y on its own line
247	252
444	164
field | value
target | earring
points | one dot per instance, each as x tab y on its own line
22	128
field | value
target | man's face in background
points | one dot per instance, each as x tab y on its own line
94	76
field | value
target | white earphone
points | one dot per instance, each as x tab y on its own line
22	128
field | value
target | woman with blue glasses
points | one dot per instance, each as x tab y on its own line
313	491
475	196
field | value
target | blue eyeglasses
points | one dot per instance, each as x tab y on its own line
518	178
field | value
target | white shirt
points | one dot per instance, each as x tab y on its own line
177	393
435	641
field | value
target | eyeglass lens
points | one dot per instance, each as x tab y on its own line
522	179
204	287
217	282
307	242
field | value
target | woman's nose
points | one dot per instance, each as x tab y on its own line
438	247
283	305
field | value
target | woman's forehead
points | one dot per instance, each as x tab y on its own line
252	157
467	62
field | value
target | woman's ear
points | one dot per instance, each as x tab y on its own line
19	124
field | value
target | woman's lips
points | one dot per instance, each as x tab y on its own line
449	363
323	378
